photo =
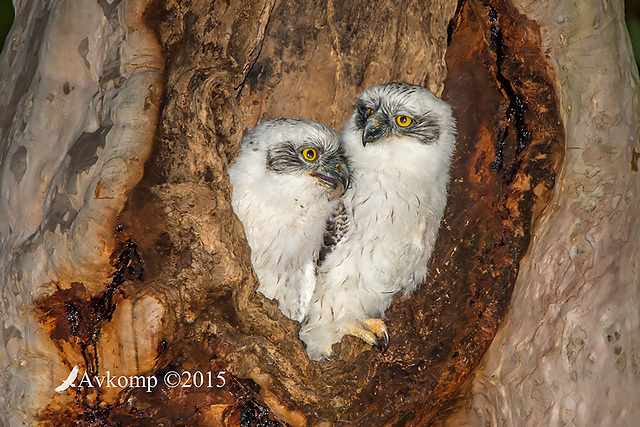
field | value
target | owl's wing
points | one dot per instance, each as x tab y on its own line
336	230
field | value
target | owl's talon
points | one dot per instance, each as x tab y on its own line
372	331
379	329
385	342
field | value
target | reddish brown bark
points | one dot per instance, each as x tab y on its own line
232	65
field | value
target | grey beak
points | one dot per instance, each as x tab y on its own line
341	173
336	177
373	131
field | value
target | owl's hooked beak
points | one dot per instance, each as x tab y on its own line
374	129
336	178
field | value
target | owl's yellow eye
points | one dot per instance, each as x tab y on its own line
403	121
309	154
369	112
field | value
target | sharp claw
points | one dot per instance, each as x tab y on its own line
372	331
385	342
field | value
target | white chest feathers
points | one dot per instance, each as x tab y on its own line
284	180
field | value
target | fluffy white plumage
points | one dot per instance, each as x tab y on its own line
399	142
284	193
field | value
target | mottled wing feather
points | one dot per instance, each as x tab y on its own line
337	227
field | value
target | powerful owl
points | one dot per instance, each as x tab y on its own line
399	142
286	183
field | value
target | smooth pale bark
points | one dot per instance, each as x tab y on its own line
80	86
569	350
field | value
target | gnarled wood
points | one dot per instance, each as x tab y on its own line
157	279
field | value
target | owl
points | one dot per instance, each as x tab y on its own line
287	181
399	142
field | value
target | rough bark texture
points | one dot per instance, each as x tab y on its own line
157	279
568	351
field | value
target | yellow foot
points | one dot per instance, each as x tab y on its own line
371	331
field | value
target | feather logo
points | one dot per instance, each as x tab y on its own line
69	381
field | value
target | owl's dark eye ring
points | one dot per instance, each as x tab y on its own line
403	121
309	154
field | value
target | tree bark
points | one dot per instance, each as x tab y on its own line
567	353
80	93
121	254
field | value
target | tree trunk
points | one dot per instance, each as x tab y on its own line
122	255
567	353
